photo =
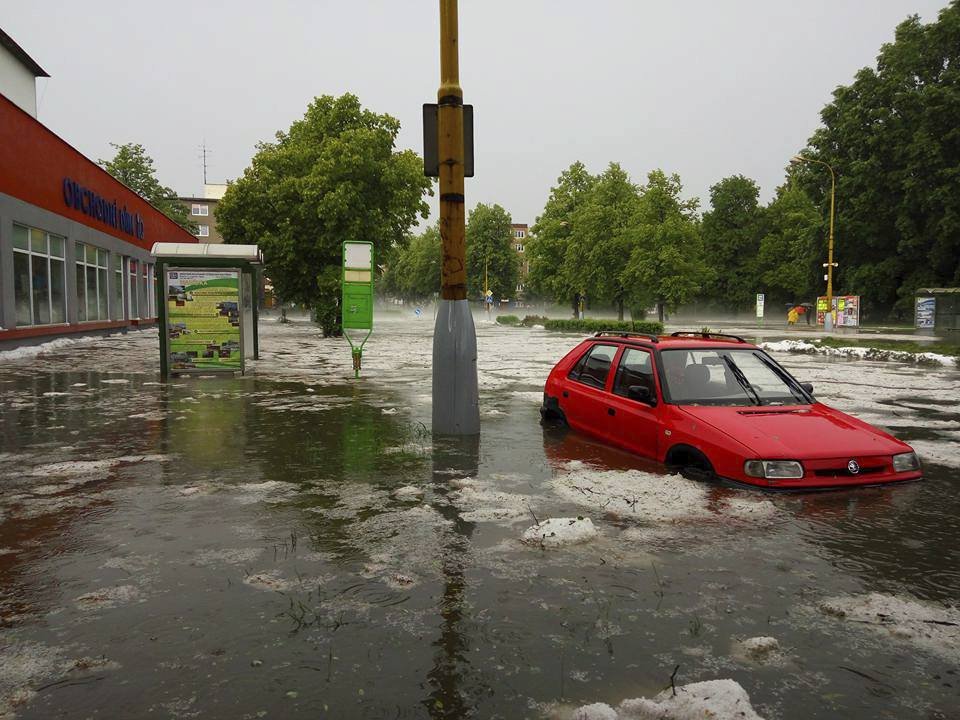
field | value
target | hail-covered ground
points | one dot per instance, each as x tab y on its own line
294	543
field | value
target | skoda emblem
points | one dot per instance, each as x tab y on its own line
853	466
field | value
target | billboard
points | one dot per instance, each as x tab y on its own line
203	320
925	314
846	310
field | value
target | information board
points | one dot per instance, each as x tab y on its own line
760	301
203	320
357	299
926	309
846	310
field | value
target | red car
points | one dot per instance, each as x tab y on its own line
714	405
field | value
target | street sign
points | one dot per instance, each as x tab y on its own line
356	303
760	300
431	141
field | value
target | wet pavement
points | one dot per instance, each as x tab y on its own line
294	543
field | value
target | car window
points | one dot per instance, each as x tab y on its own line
726	377
635	368
593	367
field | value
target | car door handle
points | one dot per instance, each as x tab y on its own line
611	411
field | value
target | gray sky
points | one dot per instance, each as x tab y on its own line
702	88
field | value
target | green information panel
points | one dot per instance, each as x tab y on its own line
203	320
357	302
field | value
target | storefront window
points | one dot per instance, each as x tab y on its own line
118	287
92	290
39	280
132	288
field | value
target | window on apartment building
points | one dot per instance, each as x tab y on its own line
39	277
92	265
203	230
520	234
200	210
519	287
519	247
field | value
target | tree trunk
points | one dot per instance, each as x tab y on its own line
575	302
620	310
660	311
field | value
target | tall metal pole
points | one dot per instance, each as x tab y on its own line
456	407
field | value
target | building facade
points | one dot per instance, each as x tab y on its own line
521	233
74	242
203	211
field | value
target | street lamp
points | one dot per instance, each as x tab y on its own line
828	316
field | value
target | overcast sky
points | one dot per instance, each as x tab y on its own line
703	88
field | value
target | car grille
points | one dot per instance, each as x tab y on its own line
844	472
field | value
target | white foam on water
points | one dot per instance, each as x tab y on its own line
557	532
708	700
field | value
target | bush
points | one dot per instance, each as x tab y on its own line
592	326
508	320
531	320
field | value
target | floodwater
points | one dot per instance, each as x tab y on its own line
294	543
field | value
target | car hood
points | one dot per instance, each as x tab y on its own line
798	431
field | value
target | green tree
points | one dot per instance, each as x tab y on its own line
550	237
490	245
666	265
598	248
134	168
415	274
732	230
334	176
893	138
788	262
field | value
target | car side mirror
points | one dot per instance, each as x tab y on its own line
807	387
641	393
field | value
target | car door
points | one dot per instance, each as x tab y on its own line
584	395
635	425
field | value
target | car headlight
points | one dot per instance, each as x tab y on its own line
774	469
906	461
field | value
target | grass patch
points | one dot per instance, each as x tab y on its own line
593	325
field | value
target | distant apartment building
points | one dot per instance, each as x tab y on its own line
203	212
520	232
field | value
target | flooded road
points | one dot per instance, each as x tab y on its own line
294	543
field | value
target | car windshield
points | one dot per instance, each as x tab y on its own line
727	377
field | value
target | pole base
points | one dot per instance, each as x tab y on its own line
456	403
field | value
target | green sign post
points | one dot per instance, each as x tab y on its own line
357	296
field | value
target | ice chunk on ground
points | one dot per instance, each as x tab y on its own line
555	532
937	452
708	700
408	492
763	649
933	628
653	497
859	353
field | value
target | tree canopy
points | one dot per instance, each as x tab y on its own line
334	176
893	138
490	246
414	271
134	168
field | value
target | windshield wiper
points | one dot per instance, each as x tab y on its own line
742	379
797	392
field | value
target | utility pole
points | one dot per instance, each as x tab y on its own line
456	405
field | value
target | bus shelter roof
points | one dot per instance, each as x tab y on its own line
208	251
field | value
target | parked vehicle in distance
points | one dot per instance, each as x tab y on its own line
714	405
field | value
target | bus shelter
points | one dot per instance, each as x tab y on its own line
207	306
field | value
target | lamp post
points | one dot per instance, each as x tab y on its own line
828	316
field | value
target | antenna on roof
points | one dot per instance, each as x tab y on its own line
203	157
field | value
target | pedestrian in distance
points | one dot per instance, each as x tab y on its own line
792	317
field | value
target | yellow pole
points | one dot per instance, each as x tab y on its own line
833	195
450	144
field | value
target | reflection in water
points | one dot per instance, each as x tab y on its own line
453	457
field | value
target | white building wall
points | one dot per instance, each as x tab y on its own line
17	83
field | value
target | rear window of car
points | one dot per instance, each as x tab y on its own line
592	369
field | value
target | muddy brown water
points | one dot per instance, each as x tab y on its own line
294	543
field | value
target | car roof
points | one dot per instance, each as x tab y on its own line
679	340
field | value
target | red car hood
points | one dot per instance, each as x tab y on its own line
798	432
